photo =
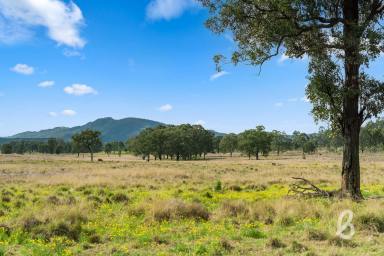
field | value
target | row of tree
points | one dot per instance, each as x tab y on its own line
87	141
184	142
256	142
188	142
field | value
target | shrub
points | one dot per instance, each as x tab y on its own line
235	188
54	200
298	247
316	235
176	209
264	212
253	233
286	221
29	223
337	241
276	243
67	229
120	198
234	208
218	186
371	221
226	244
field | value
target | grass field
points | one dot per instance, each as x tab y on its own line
64	205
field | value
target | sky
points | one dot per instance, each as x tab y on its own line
66	63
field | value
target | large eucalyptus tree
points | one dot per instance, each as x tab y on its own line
340	37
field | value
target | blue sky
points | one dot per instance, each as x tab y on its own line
67	63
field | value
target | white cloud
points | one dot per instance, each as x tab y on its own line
279	104
168	9
305	99
46	84
79	90
52	114
218	75
292	100
166	108
68	112
61	19
72	53
283	58
23	69
200	122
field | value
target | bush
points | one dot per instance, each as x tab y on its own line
236	188
218	186
316	235
276	243
372	222
298	247
120	198
176	209
253	233
234	208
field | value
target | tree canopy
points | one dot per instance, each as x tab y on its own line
340	37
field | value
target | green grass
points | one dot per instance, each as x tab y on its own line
240	218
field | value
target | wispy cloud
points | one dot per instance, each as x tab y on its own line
68	112
279	104
283	58
23	69
46	84
200	122
53	114
304	99
73	53
166	108
62	20
293	99
79	90
218	75
168	9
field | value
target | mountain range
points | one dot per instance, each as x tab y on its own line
111	130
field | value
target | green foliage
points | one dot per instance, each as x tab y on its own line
280	142
229	143
254	142
6	149
372	136
89	140
218	186
180	142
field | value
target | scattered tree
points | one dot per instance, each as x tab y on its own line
88	139
228	144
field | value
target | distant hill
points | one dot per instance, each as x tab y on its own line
111	130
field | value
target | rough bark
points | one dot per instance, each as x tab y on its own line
350	185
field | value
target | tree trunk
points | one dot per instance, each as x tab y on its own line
91	156
350	184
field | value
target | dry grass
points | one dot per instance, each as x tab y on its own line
226	206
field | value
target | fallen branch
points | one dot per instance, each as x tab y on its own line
306	188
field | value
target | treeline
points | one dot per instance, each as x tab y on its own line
182	142
187	142
59	146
